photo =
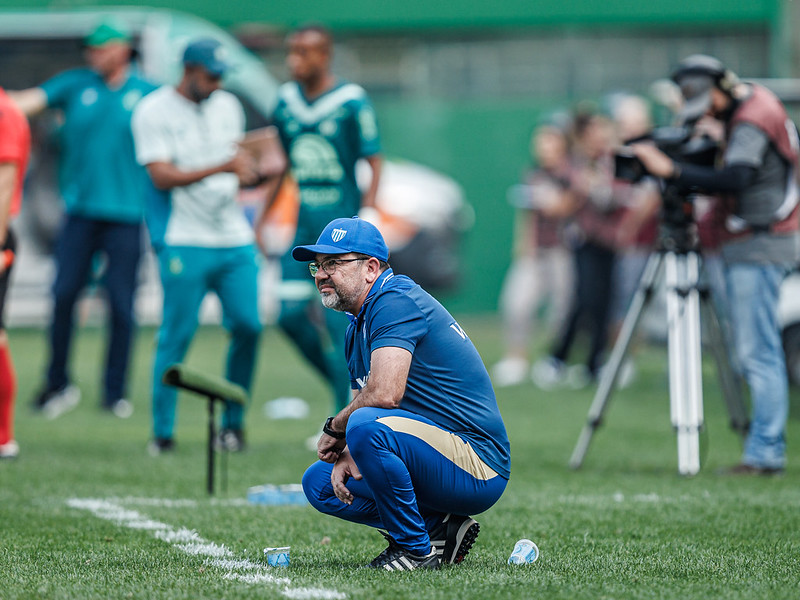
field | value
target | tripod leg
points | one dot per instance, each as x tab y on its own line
641	298
685	377
730	382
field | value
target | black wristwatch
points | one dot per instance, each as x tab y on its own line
328	430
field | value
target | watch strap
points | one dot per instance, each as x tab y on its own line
328	430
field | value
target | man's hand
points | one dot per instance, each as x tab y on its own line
654	160
344	468
245	167
709	127
329	448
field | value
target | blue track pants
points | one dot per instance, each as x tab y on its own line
414	472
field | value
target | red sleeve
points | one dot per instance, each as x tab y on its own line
12	148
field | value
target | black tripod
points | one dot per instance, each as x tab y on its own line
678	253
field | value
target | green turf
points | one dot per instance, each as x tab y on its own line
625	526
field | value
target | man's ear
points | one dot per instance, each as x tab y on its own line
373	269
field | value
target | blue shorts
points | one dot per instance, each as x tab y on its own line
414	472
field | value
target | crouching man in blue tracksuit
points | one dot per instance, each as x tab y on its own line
422	444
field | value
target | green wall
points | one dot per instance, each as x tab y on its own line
413	14
483	146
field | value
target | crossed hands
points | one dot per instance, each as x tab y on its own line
333	450
329	448
343	469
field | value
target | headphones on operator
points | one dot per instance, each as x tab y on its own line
702	64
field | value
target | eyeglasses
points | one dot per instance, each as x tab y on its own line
330	265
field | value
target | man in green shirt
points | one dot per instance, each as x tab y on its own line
103	190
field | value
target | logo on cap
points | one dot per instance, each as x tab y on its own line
337	235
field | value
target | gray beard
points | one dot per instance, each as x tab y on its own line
332	301
337	301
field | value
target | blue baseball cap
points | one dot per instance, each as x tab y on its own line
341	236
207	53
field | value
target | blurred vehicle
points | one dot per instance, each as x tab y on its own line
422	215
422	212
789	318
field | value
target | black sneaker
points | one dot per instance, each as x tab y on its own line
160	446
453	538
743	469
395	558
393	546
230	440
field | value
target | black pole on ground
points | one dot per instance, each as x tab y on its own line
210	452
215	389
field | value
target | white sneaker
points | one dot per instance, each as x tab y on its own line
510	371
548	373
57	403
578	377
9	450
121	408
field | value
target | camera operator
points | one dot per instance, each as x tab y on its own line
757	189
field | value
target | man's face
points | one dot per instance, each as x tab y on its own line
105	59
201	83
308	56
340	280
720	104
703	98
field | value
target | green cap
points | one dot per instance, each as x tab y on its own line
106	33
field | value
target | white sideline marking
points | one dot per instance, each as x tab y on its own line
179	503
618	497
190	542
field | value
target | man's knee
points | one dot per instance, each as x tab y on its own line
174	341
317	486
65	292
122	314
366	416
247	331
364	430
292	316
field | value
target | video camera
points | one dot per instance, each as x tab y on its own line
683	145
679	143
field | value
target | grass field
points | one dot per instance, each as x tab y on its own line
86	513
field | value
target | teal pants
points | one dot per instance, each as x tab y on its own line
187	273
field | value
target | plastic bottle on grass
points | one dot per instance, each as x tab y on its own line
525	552
290	493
